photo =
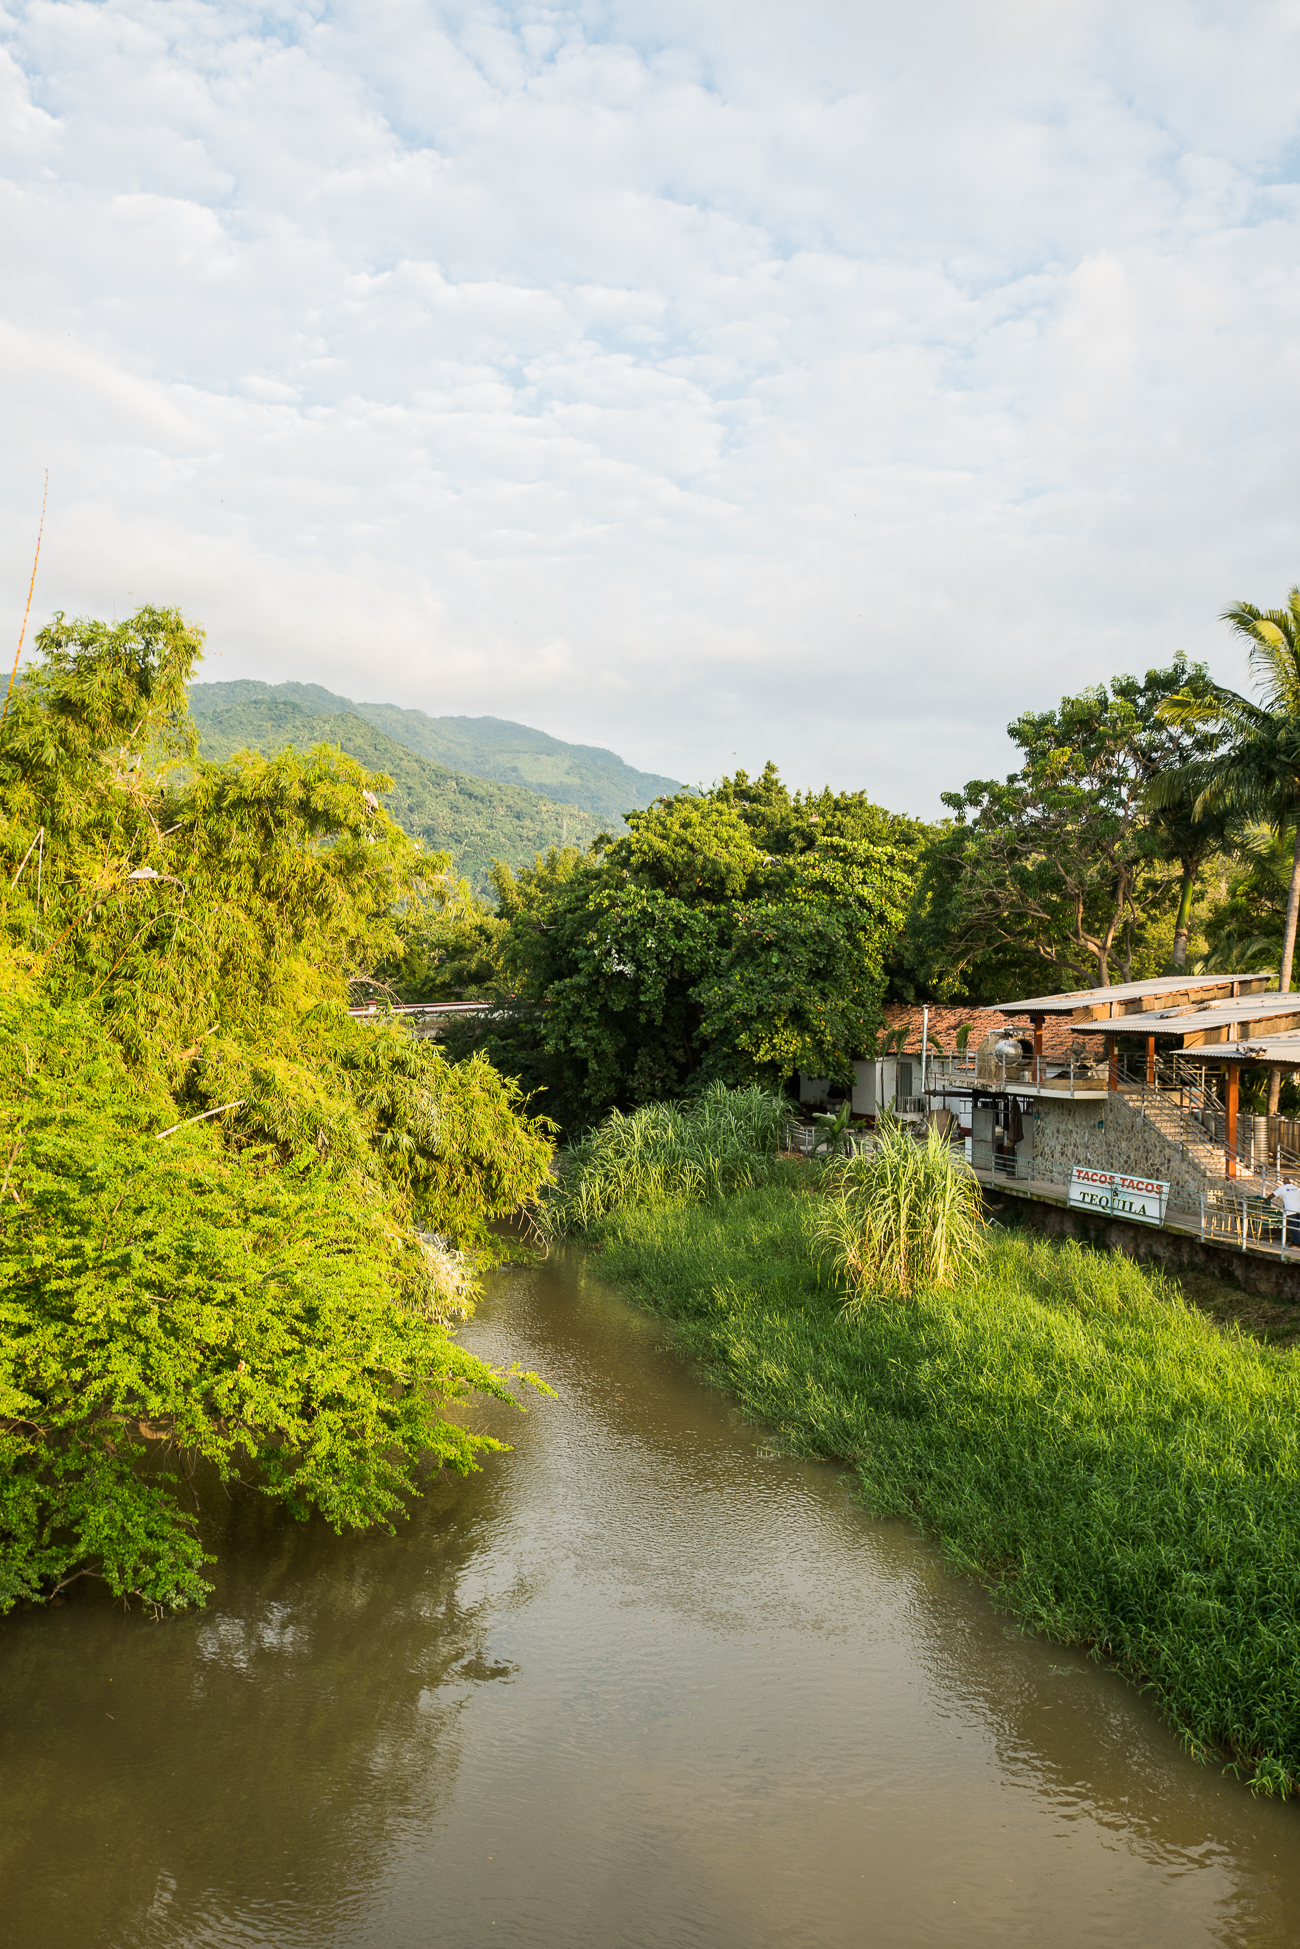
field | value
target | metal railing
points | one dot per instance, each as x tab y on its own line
1242	1221
1068	1078
1185	1103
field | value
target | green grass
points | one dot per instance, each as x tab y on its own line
1121	1472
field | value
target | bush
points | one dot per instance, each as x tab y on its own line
904	1217
666	1154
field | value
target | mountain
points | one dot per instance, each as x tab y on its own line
584	775
476	820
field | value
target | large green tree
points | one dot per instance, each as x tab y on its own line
1255	769
1061	874
736	935
219	1191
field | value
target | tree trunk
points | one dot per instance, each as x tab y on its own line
1288	956
1182	922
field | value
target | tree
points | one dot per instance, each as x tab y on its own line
734	935
218	1188
451	941
1189	833
1255	772
1062	866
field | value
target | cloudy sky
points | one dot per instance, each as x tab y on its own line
825	380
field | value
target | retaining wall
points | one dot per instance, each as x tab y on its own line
1253	1271
1107	1136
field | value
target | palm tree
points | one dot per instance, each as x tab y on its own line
1256	769
1189	833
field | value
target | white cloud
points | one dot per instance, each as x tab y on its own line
825	382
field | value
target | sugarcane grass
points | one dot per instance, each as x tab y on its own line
902	1218
667	1153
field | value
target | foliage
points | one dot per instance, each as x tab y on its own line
833	1128
732	936
175	957
1254	768
171	1301
1121	1473
476	820
1062	872
667	1153
901	1219
1243	927
451	941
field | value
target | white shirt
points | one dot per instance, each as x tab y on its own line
1288	1196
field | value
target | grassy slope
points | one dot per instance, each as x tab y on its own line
475	819
1121	1472
585	775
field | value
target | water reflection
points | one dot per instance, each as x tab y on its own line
640	1682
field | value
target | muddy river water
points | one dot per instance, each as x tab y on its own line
641	1682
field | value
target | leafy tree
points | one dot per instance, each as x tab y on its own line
218	1188
735	935
1062	870
1255	770
1244	927
451	941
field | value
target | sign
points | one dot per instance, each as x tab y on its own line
1143	1199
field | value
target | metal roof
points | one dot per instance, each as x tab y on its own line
1278	1051
1173	1021
1127	991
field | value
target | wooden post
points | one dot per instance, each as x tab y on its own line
1151	1062
1112	1051
1038	1021
1230	1152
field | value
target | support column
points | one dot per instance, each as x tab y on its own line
1038	1021
1112	1052
1151	1062
1230	1152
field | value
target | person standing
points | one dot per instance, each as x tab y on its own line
1288	1196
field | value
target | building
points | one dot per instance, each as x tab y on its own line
1123	1102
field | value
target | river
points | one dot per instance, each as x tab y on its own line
641	1682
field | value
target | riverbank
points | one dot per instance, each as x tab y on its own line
1119	1471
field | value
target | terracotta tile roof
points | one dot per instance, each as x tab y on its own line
1059	1037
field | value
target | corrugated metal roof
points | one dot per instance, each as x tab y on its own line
1278	1051
1173	1021
1126	991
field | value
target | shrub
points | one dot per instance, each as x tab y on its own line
668	1153
904	1217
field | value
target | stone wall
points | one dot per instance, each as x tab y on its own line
1106	1135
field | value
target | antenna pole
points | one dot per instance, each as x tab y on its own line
28	610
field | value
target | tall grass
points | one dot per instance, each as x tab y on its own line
1120	1473
903	1217
666	1154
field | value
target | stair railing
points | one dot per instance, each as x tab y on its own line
1185	1104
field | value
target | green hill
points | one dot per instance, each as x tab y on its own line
584	775
476	820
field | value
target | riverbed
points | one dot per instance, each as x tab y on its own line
643	1681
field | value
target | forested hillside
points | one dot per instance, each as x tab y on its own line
476	820
584	775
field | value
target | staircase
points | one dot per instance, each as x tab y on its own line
1184	1106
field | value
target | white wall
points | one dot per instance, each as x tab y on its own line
866	1092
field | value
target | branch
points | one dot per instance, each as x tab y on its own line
173	1127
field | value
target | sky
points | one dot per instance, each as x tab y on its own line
827	382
